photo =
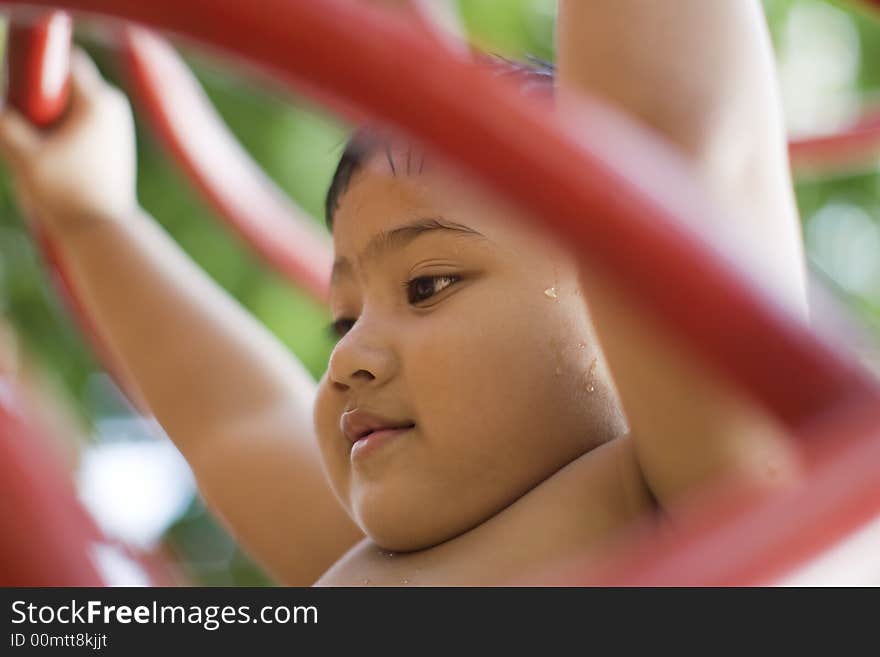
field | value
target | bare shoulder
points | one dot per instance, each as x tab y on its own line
567	515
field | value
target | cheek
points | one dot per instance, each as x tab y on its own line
498	393
327	410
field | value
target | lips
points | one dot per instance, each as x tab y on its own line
359	424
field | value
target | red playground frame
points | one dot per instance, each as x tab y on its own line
624	217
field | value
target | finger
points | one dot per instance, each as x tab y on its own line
18	138
85	78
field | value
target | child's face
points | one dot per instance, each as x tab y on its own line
492	361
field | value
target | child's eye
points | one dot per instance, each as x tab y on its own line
340	327
424	287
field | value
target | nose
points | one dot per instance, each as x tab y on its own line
362	357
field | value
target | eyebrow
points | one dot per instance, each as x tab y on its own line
399	237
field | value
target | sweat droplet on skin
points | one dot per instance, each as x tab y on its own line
590	372
551	293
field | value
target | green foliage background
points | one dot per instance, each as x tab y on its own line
299	145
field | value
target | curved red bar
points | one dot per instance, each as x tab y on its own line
38	60
241	193
856	145
734	541
852	146
38	57
47	537
622	219
622	216
674	253
46	534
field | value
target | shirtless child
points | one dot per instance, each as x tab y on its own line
498	444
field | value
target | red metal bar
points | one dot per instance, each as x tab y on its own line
48	538
622	216
854	146
241	193
38	61
46	534
39	52
732	540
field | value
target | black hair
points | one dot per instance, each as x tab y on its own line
536	77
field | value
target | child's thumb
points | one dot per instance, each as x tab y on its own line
18	138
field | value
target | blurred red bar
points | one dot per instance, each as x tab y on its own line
620	212
732	538
46	535
242	194
38	58
38	61
858	145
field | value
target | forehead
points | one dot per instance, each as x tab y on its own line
402	185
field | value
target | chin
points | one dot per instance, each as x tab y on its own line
408	527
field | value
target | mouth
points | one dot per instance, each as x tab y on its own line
375	440
359	424
384	430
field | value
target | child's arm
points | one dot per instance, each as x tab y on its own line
234	400
702	75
